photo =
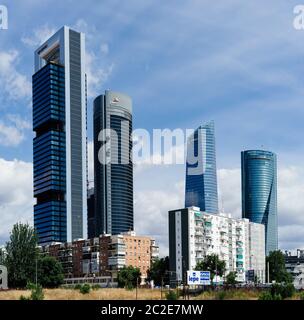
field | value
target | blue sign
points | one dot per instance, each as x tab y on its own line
198	277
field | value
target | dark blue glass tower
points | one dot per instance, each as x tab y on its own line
201	176
259	192
59	123
113	167
49	153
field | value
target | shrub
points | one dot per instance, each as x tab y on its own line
22	297
172	295
36	292
77	286
284	290
265	295
221	295
85	288
301	295
95	287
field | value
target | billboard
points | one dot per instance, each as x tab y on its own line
198	278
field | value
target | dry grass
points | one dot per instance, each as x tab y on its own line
101	294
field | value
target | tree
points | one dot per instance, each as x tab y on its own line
22	254
158	271
2	256
231	278
50	272
277	269
128	277
213	264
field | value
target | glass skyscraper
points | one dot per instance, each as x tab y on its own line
59	123
259	192
201	176
113	167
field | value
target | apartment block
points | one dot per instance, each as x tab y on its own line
194	234
104	255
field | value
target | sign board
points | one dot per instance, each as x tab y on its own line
250	275
3	278
198	278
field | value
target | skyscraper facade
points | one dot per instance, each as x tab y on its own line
59	123
259	192
113	175
201	176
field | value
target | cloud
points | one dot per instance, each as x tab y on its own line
12	133
16	198
97	76
151	212
15	85
38	36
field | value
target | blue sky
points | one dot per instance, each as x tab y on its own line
239	63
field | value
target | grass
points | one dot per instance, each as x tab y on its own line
71	294
122	294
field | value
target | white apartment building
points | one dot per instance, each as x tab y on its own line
194	234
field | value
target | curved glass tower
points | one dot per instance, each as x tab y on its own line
259	192
113	180
201	177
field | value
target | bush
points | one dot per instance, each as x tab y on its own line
221	295
284	290
85	288
22	297
95	287
265	295
77	286
172	295
301	295
36	292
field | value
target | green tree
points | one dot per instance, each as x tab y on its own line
22	253
213	264
50	272
159	271
128	277
277	269
2	256
231	278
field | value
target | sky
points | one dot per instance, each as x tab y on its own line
239	63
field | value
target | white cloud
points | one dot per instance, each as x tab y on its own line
38	36
151	212
16	198
12	133
14	84
96	75
104	48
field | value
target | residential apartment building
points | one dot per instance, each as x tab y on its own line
104	255
194	234
294	263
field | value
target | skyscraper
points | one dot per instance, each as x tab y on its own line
113	176
259	192
59	121
201	176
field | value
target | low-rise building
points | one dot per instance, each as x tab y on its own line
105	255
194	234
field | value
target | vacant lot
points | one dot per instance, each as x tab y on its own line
72	294
142	294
